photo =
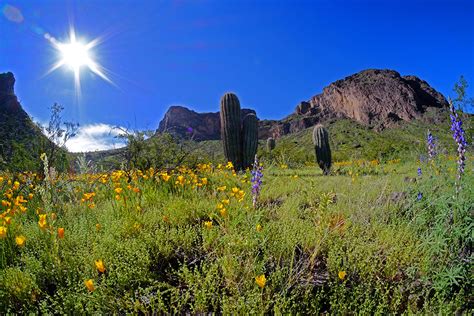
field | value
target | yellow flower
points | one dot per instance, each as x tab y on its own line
165	177
222	188
229	165
8	220
3	232
223	212
180	180
61	232
118	190
117	197
259	228
204	181
226	202
42	221
20	240
97	227
261	280
342	275
16	185
30	196
208	224
89	285
99	265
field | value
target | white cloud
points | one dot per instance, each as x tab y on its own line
94	137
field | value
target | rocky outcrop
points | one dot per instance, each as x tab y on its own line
7	81
375	97
184	122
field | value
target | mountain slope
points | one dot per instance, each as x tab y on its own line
21	141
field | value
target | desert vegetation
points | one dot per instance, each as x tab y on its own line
381	236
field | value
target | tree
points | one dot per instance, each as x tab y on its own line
58	133
461	102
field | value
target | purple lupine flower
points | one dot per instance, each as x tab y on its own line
420	196
419	172
256	180
430	140
458	136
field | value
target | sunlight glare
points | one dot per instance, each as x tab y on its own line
76	55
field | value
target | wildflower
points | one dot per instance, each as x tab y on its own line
222	188
117	197
99	265
342	275
223	212
258	228
3	232
230	165
431	145
98	227
118	190
180	180
204	181
419	172
61	232
30	196
16	185
256	180
89	285
458	136
261	280
165	177
20	240
7	220
226	202
42	221
208	224
420	196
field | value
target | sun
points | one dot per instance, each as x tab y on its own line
77	55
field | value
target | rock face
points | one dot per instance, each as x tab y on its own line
184	122
7	81
375	97
17	131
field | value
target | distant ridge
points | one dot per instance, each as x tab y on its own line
377	98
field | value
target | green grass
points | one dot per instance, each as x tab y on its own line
400	254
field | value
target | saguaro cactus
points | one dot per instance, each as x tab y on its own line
270	143
249	139
230	129
321	147
240	139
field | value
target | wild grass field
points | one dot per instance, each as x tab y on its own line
372	238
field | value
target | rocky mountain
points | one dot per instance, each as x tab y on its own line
198	126
20	138
375	97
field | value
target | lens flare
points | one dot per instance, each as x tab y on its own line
76	55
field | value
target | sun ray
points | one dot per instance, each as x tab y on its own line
76	55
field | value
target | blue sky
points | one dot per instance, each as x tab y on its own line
273	54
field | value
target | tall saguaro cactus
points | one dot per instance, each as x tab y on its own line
321	147
240	139
249	139
230	129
